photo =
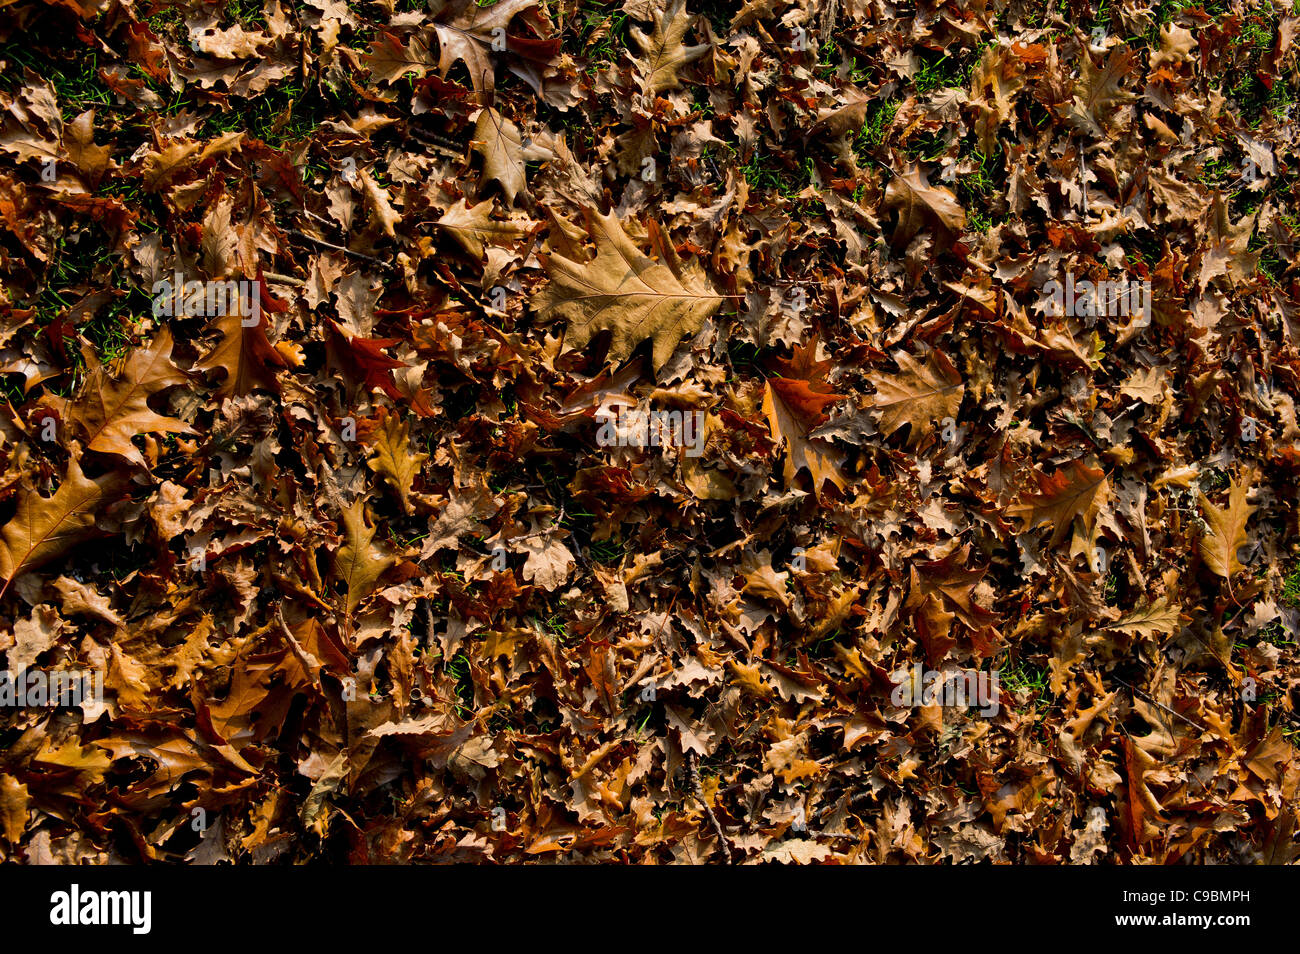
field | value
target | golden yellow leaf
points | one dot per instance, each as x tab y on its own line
359	564
393	458
1226	529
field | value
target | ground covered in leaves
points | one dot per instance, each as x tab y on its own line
366	583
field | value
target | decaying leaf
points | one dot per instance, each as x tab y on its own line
1075	490
359	563
802	452
919	204
505	149
394	457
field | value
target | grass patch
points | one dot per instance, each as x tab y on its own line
876	127
768	172
458	669
602	33
608	552
948	70
1022	675
1291	587
927	147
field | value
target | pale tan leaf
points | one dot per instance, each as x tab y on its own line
920	395
378	202
625	292
1155	619
474	228
505	151
664	53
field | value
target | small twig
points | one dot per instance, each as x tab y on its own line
340	248
698	789
282	279
296	647
320	219
1176	715
441	144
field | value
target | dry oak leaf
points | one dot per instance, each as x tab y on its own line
78	599
160	168
801	450
32	636
505	150
110	412
464	513
549	562
918	202
45	527
173	756
1156	619
468	36
796	851
260	695
68	753
1098	91
786	759
625	292
359	564
1076	490
132	683
393	458
234	43
706	482
475	229
994	83
378	203
79	140
920	395
13	808
665	53
804	398
1226	529
246	355
388	60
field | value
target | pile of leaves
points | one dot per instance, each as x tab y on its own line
364	585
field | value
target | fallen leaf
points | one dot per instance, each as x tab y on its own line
624	292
